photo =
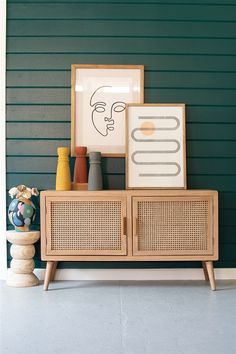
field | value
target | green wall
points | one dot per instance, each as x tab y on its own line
188	49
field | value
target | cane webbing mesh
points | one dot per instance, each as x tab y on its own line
86	225
176	227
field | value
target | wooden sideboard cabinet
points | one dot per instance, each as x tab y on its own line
129	225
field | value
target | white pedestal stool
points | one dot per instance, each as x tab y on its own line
22	251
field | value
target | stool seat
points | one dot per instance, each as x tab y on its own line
23	238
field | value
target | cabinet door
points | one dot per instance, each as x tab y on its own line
86	226
173	226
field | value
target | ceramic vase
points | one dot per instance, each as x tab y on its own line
80	170
21	213
63	182
95	171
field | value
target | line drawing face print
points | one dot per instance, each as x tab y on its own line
103	113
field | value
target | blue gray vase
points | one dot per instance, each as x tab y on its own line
95	171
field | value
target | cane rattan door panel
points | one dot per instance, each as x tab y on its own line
172	226
86	226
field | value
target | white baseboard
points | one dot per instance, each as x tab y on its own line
137	274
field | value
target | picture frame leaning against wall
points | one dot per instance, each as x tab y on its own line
99	94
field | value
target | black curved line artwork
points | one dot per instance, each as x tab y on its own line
164	118
156	164
171	150
103	112
156	141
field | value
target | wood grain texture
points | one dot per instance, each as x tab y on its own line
61	79
182	62
61	113
47	181
114	181
61	96
35	147
195	148
159	11
47	164
210	271
49	226
121	45
122	28
60	130
48	274
38	130
38	113
177	2
188	50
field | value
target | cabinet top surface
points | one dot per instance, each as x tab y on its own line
140	192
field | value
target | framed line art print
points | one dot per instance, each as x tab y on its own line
99	94
155	146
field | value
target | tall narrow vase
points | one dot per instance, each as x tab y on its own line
95	171
80	170
63	181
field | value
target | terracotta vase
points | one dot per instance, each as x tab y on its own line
21	213
80	169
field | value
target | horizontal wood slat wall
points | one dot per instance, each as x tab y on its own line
188	49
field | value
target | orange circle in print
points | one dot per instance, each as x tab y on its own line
149	128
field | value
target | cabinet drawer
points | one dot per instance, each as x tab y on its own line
173	226
85	226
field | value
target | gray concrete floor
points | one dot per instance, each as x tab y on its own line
119	318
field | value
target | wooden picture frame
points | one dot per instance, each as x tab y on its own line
99	94
155	130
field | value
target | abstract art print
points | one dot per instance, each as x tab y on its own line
155	146
98	100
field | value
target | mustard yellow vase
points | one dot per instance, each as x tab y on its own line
63	181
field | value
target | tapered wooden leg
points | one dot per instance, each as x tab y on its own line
53	271
205	271
210	271
47	278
